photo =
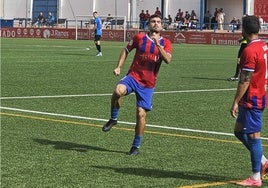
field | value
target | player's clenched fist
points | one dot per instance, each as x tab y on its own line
117	71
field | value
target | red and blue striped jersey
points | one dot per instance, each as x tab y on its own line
147	60
254	58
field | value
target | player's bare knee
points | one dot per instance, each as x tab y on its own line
120	90
141	113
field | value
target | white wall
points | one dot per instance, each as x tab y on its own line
10	9
69	8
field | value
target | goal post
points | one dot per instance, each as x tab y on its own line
108	22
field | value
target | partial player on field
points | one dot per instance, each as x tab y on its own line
251	99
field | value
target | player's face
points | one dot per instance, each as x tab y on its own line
155	25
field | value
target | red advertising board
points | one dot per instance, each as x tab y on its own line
38	33
189	37
197	37
261	9
54	33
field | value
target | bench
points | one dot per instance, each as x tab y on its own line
114	22
61	22
21	20
107	24
91	22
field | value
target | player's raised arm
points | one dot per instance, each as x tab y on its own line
155	27
165	56
121	60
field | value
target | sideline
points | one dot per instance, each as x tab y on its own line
115	127
109	94
121	122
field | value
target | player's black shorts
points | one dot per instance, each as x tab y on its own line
97	37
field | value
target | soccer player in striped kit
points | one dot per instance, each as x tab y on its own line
251	99
151	50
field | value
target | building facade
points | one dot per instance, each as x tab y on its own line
130	8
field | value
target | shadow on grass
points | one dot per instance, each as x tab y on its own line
155	173
63	145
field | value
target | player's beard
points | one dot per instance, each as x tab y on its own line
155	30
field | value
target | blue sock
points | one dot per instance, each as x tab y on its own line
137	141
255	154
114	113
243	138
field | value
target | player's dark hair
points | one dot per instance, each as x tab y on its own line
154	16
251	24
95	12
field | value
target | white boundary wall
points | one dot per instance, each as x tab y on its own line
10	9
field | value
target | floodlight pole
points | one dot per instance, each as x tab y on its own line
3	8
133	12
115	7
76	29
201	17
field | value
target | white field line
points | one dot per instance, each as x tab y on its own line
48	47
123	122
97	95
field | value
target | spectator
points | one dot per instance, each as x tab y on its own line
193	20
142	20
158	12
238	24
220	19
179	20
109	22
51	19
187	19
216	12
169	20
147	16
40	19
20	22
261	20
233	25
213	23
261	23
193	23
207	17
179	16
109	18
193	15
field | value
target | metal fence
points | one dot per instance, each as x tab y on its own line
119	24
